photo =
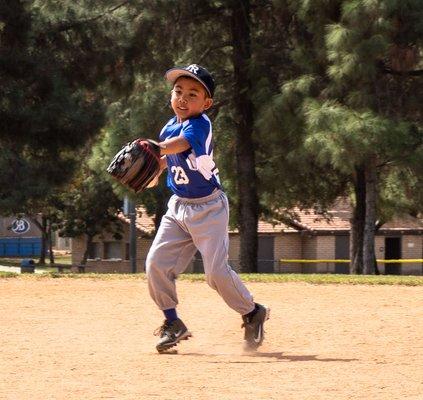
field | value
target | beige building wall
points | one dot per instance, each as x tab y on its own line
325	250
118	265
234	248
309	251
109	267
143	246
288	247
412	249
77	248
380	252
309	246
318	248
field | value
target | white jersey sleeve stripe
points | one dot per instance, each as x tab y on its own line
209	136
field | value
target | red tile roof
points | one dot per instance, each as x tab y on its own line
407	222
307	220
337	219
144	223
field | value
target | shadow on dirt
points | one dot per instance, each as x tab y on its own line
276	356
281	356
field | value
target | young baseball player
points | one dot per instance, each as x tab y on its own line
197	215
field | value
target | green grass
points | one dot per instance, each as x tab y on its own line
63	259
10	262
5	275
16	261
314	279
337	279
318	279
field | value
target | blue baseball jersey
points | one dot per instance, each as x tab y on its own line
192	173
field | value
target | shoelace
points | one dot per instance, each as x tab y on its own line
245	322
161	329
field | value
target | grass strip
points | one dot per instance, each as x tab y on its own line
314	279
16	261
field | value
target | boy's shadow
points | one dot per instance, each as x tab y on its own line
274	356
280	356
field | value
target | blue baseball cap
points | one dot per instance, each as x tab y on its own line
194	71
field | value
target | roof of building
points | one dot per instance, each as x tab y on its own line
144	222
337	219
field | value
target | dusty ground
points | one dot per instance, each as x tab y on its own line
87	339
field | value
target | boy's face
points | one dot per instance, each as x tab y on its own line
189	98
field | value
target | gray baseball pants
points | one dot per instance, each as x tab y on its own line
188	225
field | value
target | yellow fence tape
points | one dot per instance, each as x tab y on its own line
347	261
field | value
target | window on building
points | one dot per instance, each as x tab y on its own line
94	250
112	250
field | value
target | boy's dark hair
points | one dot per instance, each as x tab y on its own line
205	91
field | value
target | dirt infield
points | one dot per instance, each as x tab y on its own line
92	339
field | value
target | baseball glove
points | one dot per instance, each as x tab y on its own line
137	164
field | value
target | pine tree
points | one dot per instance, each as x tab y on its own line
55	63
359	110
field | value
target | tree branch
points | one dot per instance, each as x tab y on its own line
74	24
387	70
213	48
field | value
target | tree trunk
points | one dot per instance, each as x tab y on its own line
87	249
377	272
245	156
378	225
50	243
43	227
369	255
357	222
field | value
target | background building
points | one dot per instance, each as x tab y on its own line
19	237
310	237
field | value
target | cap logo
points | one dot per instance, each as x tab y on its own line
193	68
